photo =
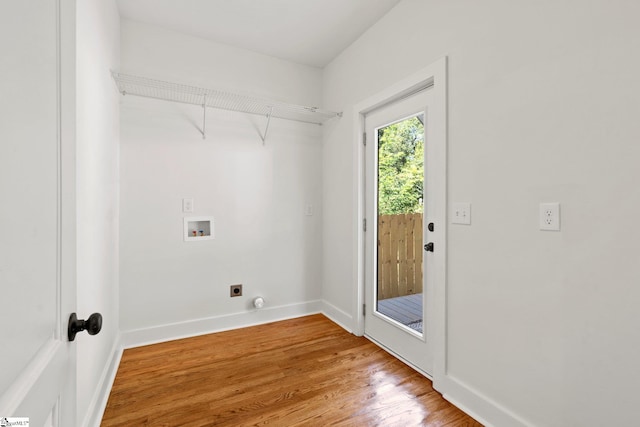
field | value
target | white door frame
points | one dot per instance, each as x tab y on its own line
435	75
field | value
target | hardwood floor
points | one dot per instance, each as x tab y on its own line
301	372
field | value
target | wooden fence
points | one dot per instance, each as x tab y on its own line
399	255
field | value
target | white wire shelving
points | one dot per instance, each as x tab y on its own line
176	92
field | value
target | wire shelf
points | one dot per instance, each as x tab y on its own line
176	92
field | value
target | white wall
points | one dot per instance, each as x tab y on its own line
543	105
98	51
257	194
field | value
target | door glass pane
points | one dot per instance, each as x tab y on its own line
400	166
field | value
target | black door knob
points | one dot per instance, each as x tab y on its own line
92	325
430	227
428	247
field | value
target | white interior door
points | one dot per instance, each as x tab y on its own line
37	211
399	197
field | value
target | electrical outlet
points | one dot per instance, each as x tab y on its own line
461	213
550	216
235	290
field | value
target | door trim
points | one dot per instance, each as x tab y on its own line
434	76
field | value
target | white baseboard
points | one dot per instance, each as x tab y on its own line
338	316
98	403
479	406
192	328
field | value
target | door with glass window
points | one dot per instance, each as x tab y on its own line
398	249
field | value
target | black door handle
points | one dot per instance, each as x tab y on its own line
428	247
92	325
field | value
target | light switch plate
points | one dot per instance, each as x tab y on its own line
187	205
461	213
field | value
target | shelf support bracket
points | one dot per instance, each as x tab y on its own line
204	117
266	129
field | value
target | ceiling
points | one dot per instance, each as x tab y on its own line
311	32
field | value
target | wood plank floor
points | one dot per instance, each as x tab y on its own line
301	372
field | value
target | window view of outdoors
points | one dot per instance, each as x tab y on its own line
400	207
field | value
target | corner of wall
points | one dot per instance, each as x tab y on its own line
345	320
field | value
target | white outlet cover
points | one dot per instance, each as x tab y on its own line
187	205
308	210
461	213
550	216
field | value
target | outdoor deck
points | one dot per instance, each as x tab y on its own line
406	310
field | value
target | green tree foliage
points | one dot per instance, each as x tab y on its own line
400	167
